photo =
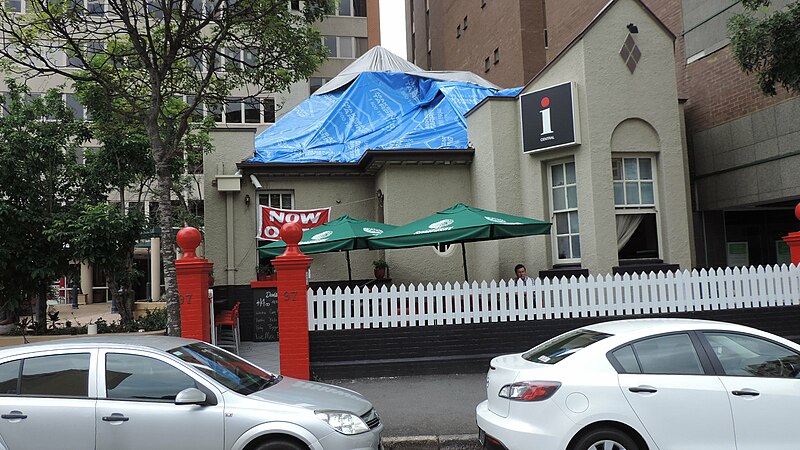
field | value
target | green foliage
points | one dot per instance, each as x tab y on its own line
380	264
39	183
142	59
767	43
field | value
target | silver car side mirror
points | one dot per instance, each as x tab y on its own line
190	396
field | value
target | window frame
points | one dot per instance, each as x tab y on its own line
641	208
717	365
697	342
551	198
91	388
266	192
200	380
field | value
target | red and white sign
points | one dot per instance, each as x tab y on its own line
270	220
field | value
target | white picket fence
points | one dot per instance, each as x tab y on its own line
609	295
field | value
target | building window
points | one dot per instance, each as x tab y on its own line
496	55
458	31
345	46
268	106
466	23
237	110
277	199
315	83
546	39
486	64
352	8
483	3
74	104
635	207
295	5
564	201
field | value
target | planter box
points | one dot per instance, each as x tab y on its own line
140	308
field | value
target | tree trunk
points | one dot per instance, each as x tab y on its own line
168	250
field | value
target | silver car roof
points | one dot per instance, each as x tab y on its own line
162	343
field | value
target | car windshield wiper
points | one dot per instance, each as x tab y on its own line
267	383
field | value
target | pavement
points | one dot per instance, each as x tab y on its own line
430	412
85	313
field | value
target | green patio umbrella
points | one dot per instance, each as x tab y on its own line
459	224
342	234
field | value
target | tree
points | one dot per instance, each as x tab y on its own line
159	62
39	181
104	236
767	43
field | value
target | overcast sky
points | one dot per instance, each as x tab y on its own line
393	26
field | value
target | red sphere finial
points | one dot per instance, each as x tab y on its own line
188	239
291	233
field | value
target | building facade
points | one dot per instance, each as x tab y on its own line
503	41
623	169
741	144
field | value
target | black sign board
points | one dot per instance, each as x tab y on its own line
265	314
549	118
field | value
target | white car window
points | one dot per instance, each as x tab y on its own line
134	377
670	354
751	356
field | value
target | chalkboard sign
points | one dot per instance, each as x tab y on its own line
265	314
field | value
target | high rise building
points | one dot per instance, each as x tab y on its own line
502	41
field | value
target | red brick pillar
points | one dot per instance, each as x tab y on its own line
293	304
793	240
192	273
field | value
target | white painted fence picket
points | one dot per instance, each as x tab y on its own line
592	296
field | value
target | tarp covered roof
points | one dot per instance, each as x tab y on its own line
367	108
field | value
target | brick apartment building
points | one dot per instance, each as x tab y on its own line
742	146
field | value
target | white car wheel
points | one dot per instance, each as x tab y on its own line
605	439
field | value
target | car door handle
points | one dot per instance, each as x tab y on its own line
116	417
746	393
643	389
14	415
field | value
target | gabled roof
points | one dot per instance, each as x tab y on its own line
591	24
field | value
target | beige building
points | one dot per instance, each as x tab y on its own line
616	193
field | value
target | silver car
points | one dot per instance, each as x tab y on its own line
168	393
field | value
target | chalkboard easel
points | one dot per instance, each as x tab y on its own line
265	314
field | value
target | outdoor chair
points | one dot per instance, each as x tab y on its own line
227	324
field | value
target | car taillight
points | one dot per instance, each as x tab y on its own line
529	391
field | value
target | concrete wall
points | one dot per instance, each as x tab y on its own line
750	160
413	192
643	109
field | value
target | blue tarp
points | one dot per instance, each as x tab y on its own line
377	111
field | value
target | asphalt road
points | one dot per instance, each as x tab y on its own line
423	405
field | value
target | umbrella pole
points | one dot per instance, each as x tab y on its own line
464	259
349	272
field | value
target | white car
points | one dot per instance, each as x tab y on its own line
646	384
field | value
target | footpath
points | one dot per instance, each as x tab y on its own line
431	412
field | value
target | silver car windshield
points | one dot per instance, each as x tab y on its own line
231	371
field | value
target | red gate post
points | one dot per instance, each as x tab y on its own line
292	266
793	240
192	275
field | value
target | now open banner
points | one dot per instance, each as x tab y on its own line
270	220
